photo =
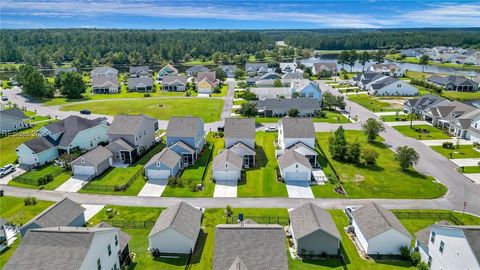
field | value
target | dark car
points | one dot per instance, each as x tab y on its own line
4	98
85	111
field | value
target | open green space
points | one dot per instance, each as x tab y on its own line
470	169
239	102
383	180
414	60
63	175
422	132
223	91
461	96
15	211
373	104
208	109
397	118
462	151
260	181
332	117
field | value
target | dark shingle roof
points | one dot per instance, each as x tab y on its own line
456	80
184	126
259	247
14	112
309	218
104	70
70	127
143	81
197	68
104	82
298	127
182	217
372	219
62	213
139	69
240	128
288	103
386	81
169	79
39	144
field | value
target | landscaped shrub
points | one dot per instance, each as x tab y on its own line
415	258
147	95
422	266
405	252
29	201
447	145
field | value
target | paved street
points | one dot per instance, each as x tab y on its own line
440	142
466	161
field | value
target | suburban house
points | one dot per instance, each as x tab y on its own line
103	72
174	83
64	69
420	105
288	67
256	69
140	71
422	238
387	69
123	240
73	133
390	86
289	77
294	130
140	84
167	70
239	130
453	247
474	130
364	79
229	70
163	165
454	83
313	230
306	89
271	92
249	246
176	230
411	53
64	213
294	166
186	137
227	166
105	85
378	230
67	248
329	67
130	136
267	78
93	163
8	234
205	82
194	70
12	120
279	107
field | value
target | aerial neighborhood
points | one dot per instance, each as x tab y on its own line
240	149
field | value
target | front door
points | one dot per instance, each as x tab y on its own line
125	157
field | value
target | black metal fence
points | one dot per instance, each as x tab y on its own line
212	146
281	220
47	178
92	186
131	224
428	215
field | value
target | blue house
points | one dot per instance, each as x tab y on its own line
307	89
186	137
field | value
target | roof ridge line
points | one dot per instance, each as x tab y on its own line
311	205
381	213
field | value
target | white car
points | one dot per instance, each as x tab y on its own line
4	98
9	168
271	129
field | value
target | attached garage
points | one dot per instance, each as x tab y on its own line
163	165
158	174
227	166
297	176
83	170
93	163
294	166
226	175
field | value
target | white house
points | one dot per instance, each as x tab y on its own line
8	234
163	165
378	230
387	69
176	230
12	120
473	133
294	167
390	86
93	163
294	130
227	166
422	238
67	248
454	247
240	138
288	67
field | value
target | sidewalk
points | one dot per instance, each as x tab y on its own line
406	123
440	142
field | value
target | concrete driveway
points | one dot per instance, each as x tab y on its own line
91	210
7	178
74	184
466	161
225	189
153	188
299	190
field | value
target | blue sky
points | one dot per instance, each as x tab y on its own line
258	14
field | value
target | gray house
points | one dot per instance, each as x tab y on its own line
93	163
174	83
64	213
105	85
140	84
229	70
193	70
123	242
329	67
240	138
103	72
420	105
163	165
249	246
454	83
186	136
140	71
64	69
256	69
313	230
280	107
12	120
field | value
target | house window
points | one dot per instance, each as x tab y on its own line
302	95
99	264
109	248
116	240
296	166
226	165
442	246
158	164
429	260
82	160
399	85
432	238
115	266
310	95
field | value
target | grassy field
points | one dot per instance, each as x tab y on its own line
56	182
461	96
327	190
261	180
396	118
332	117
463	151
414	60
372	103
471	169
223	92
207	108
384	180
432	133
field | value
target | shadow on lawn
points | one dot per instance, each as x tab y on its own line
261	161
199	247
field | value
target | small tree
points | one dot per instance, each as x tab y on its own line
338	144
248	109
240	73
354	152
328	100
372	128
405	252
406	156
228	211
72	84
422	266
277	83
247	95
369	157
424	61
415	258
293	112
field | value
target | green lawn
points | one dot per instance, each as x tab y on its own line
207	108
414	60
261	180
332	117
35	174
396	118
223	92
384	180
327	190
427	132
372	103
471	169
463	151
239	102
118	176
461	96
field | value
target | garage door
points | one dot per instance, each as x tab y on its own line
83	170
223	175
158	174
296	176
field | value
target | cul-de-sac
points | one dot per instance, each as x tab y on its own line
239	135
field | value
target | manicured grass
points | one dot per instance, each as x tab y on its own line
239	102
327	190
463	151
116	176
432	133
34	117
8	252
414	60
396	118
223	92
372	103
261	180
207	108
471	169
385	179
198	62
56	182
332	117
461	96
14	210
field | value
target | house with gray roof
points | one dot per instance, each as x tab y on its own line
294	167
12	120
288	77
249	246
176	230
323	66
64	213
263	93
390	86
387	69
123	241
103	72
8	234
93	163
165	164
229	70
364	79
105	85
419	105
256	69
292	130
280	107
313	230
265	79
454	83
422	238
193	70
64	69
186	136
288	67
378	230
206	81
140	84
67	248
416	53
174	83
227	166
239	130
168	69
139	71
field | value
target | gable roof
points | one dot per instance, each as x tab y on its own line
271	92
54	248
184	146
170	79
291	157
299	85
293	76
181	217
70	127
120	143
39	144
167	157
197	68
302	149
96	156
15	113
123	237
169	67
209	76
228	156
455	80
103	70
383	82
309	218
62	213
258	246
324	66
472	235
104	82
287	104
372	220
383	67
239	128
139	69
135	81
241	149
295	127
127	124
255	66
184	126
368	77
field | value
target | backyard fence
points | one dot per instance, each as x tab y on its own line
428	215
131	224
212	146
94	187
260	219
40	181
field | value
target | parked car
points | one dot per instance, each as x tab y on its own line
4	98
271	129
9	168
348	211
85	111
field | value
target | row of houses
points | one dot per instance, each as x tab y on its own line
446	54
379	84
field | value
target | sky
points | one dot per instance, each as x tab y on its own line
259	14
